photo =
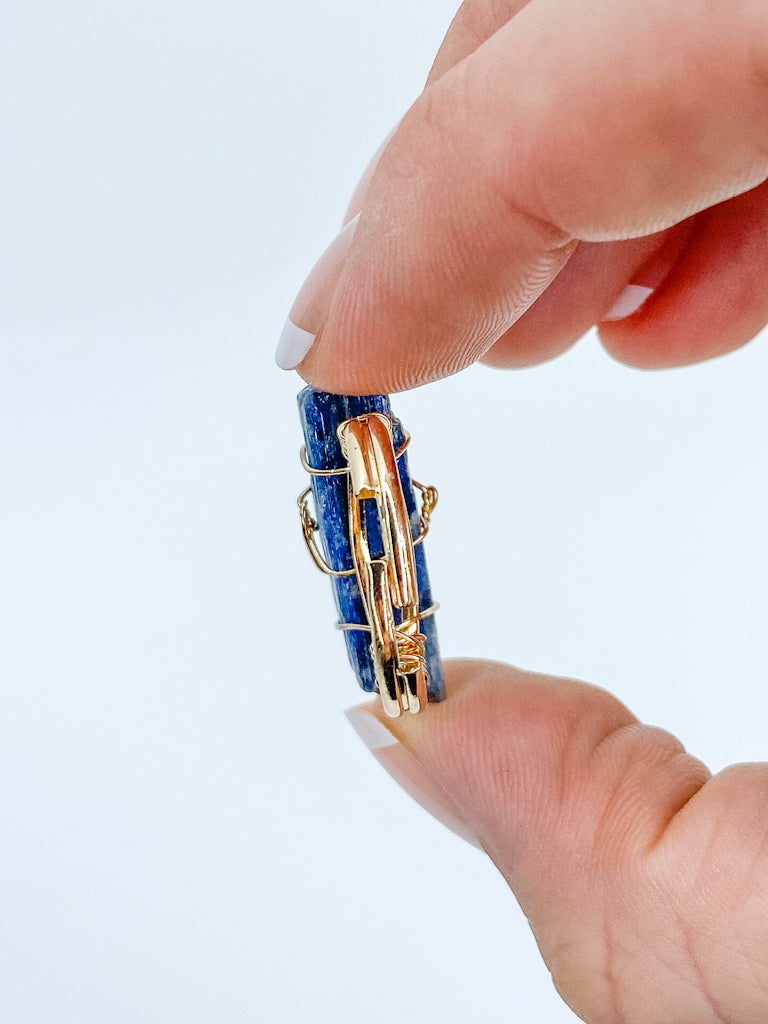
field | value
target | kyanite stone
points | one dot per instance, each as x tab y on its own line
321	413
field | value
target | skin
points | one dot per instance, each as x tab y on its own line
561	150
643	877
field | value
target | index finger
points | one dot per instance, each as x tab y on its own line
521	150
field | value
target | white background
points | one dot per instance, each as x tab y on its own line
189	830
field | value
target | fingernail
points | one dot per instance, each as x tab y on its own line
310	308
408	772
293	345
630	300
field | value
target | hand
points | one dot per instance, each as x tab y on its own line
644	879
565	161
560	151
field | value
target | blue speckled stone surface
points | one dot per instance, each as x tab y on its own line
321	413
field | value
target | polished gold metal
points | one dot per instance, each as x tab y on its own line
345	469
388	585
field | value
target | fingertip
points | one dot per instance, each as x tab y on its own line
712	299
387	740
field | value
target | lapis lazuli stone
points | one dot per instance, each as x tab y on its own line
321	413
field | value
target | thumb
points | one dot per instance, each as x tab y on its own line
600	825
593	121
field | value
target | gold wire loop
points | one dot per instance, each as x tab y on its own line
308	528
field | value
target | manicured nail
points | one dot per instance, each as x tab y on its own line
311	306
293	345
408	772
630	300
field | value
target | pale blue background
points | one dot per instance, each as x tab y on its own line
189	830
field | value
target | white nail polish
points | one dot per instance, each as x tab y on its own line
630	300
371	731
409	773
293	345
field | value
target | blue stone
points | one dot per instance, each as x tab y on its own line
320	414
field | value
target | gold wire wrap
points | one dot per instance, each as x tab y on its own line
350	627
309	525
388	584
